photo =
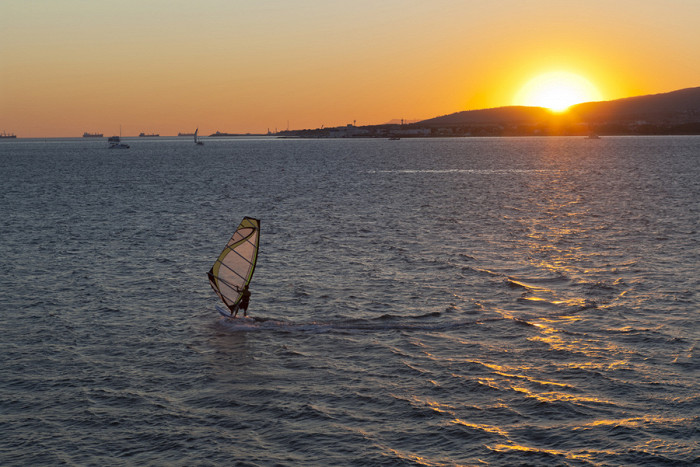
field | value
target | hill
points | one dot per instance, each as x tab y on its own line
680	106
676	112
503	115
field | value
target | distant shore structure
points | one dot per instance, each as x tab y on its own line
218	133
92	135
7	135
151	135
185	134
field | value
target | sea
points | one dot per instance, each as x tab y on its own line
423	302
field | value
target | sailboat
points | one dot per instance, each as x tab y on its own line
115	142
196	141
233	269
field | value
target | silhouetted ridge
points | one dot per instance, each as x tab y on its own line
677	106
510	115
682	106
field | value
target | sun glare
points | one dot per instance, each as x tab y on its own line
557	91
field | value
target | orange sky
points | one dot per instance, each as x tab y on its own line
166	66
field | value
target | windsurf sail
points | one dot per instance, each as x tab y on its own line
234	267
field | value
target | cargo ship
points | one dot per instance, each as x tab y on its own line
92	135
7	135
152	135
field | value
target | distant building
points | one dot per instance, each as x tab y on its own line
413	132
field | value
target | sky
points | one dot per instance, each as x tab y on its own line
169	66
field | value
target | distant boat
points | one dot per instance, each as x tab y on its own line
593	136
196	141
152	135
115	142
92	135
394	138
7	135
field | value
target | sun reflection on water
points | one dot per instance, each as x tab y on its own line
482	427
553	452
551	397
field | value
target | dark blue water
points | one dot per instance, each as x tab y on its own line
431	302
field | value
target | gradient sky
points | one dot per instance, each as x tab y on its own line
164	66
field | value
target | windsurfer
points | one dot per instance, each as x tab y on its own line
232	271
243	303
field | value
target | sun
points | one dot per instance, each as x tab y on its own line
557	90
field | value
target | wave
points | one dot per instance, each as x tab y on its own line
386	322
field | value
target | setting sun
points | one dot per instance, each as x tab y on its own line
557	91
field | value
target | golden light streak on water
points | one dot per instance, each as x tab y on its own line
433	405
511	373
480	426
562	318
560	397
637	421
500	369
411	457
617	364
517	447
491	383
593	349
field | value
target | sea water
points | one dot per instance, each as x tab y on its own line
429	302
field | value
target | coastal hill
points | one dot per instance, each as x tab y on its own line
502	115
677	106
676	112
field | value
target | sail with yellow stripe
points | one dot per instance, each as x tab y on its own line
233	269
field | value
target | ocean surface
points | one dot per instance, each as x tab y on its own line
429	302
